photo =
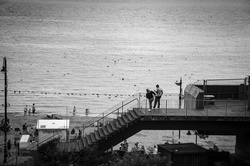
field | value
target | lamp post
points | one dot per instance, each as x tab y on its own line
179	84
5	126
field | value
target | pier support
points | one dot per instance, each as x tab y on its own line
242	148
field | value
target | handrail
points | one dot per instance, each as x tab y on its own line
110	113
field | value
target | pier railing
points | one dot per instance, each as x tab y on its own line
219	107
170	105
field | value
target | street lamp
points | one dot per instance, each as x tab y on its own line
179	84
5	126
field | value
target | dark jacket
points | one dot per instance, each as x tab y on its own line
150	95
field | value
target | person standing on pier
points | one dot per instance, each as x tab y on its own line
159	93
150	96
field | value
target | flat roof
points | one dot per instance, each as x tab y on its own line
53	124
25	138
184	148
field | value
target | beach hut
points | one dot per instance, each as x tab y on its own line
185	154
24	142
193	97
49	129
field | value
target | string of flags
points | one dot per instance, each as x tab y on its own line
67	93
76	94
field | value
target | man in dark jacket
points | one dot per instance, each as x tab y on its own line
150	96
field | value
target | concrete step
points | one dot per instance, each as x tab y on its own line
121	121
105	130
89	141
101	132
109	127
114	127
129	116
85	142
93	138
125	119
138	112
97	135
118	125
133	113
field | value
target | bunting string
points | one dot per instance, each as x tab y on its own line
78	94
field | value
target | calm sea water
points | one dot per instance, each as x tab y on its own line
62	53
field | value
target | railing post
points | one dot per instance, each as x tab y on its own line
166	107
122	107
186	109
245	96
226	109
103	119
206	108
139	101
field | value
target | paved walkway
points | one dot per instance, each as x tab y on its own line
230	108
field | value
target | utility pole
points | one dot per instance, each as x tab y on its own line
6	121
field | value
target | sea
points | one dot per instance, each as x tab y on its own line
94	54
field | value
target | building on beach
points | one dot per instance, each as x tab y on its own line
49	129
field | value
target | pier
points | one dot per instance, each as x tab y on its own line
205	113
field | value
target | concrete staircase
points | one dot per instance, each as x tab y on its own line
113	132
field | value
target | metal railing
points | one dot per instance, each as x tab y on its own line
187	107
115	112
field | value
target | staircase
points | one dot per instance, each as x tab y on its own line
113	132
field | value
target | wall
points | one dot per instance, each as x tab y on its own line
43	135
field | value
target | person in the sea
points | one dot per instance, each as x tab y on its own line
150	96
158	95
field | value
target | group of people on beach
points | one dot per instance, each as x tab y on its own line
33	109
154	95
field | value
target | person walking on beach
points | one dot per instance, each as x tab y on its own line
74	110
25	110
33	108
9	147
150	96
29	111
159	93
24	128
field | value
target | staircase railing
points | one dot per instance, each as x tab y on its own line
115	111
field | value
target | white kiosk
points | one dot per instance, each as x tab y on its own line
49	129
24	142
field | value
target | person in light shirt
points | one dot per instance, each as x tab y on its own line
158	95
